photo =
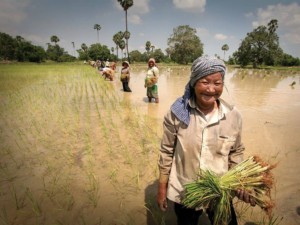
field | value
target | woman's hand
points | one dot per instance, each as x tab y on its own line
245	196
162	196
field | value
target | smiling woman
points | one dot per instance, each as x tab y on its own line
197	128
207	90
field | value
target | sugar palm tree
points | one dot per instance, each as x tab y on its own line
152	48
112	49
84	47
73	44
126	4
54	39
117	38
97	27
225	48
122	46
148	46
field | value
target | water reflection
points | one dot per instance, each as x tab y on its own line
270	106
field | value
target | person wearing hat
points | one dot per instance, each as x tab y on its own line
200	131
151	81
125	76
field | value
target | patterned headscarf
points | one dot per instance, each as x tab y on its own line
152	60
125	62
201	67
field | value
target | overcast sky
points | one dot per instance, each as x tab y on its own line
217	22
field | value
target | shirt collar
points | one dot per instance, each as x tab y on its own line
222	109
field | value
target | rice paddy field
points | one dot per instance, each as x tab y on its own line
71	151
75	150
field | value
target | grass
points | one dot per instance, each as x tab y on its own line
63	152
72	152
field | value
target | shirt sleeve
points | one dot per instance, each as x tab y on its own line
167	147
155	71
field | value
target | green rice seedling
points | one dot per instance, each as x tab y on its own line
36	208
157	215
137	179
4	217
50	187
216	192
19	201
127	156
54	191
246	213
68	201
113	175
93	191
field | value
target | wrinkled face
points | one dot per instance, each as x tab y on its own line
208	89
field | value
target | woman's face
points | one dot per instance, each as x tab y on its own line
151	64
208	89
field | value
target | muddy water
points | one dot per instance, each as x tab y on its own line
270	107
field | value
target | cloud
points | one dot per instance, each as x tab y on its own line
190	5
135	19
202	32
134	13
35	38
140	7
12	13
220	37
288	17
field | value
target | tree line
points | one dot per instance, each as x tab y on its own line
259	47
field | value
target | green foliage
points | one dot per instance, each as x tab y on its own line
98	51
231	61
7	47
126	4
83	54
158	55
261	47
184	45
97	27
54	52
95	52
66	58
136	56
54	39
117	38
225	48
122	45
19	49
288	60
148	46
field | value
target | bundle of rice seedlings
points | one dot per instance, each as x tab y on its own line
216	192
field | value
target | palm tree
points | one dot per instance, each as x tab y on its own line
84	47
225	48
73	44
169	52
152	48
97	27
126	4
54	39
112	49
122	45
148	46
117	39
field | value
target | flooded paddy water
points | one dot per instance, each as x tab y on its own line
76	149
270	107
